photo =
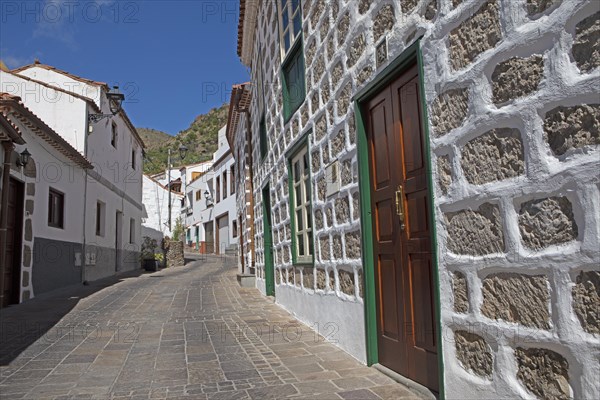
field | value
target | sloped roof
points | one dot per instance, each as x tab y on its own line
37	64
10	131
246	25
240	100
12	107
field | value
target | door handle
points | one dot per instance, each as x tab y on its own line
400	204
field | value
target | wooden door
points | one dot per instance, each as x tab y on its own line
14	243
406	326
209	237
223	233
268	242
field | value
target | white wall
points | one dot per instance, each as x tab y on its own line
156	200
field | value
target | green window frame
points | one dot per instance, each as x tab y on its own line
293	80
300	203
264	144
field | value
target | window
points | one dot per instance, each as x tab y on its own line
131	230
232	179
225	185
264	145
292	68
113	137
292	71
234	229
290	23
56	204
198	195
100	218
301	210
218	189
132	158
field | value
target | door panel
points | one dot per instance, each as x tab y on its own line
402	240
14	243
268	242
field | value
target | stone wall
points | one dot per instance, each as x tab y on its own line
175	256
511	92
511	89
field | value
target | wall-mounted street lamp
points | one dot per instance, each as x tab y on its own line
115	102
182	153
23	158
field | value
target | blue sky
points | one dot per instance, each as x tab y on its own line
172	59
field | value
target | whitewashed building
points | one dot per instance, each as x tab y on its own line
112	191
45	208
155	218
197	210
238	138
425	183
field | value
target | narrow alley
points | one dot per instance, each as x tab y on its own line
187	332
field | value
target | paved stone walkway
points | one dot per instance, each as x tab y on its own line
188	332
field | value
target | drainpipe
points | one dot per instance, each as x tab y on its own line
8	150
85	189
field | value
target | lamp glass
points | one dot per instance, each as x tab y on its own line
182	151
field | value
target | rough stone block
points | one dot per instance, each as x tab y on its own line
346	281
449	110
325	251
336	73
460	290
26	295
30	189
517	298
444	173
319	219
277	276
308	278
364	5
539	6
342	28
351	128
479	33
28	230
569	128
319	68
29	206
383	21
475	232
493	156
331	279
325	91
361	283
30	169
473	353
546	222
346	173
26	256
356	206
431	10
516	77
338	144
343	99
586	47
586	300
456	3
318	8
329	216
357	48
297	277
353	250
337	247
320	127
342	210
544	373
25	282
363	75
322	189
321	279
408	6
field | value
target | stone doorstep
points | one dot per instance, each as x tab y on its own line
246	280
417	388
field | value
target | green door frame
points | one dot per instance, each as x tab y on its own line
392	71
268	242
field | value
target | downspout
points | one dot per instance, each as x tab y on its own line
8	149
85	189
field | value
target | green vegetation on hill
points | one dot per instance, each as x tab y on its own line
201	138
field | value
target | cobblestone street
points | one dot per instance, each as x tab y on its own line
182	332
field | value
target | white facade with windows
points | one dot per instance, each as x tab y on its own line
155	221
111	236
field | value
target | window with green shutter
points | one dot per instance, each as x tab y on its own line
294	91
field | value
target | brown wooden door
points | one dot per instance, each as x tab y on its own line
14	243
406	327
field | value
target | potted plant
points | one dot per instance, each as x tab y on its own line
148	259
160	259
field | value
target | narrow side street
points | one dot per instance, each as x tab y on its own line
181	332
